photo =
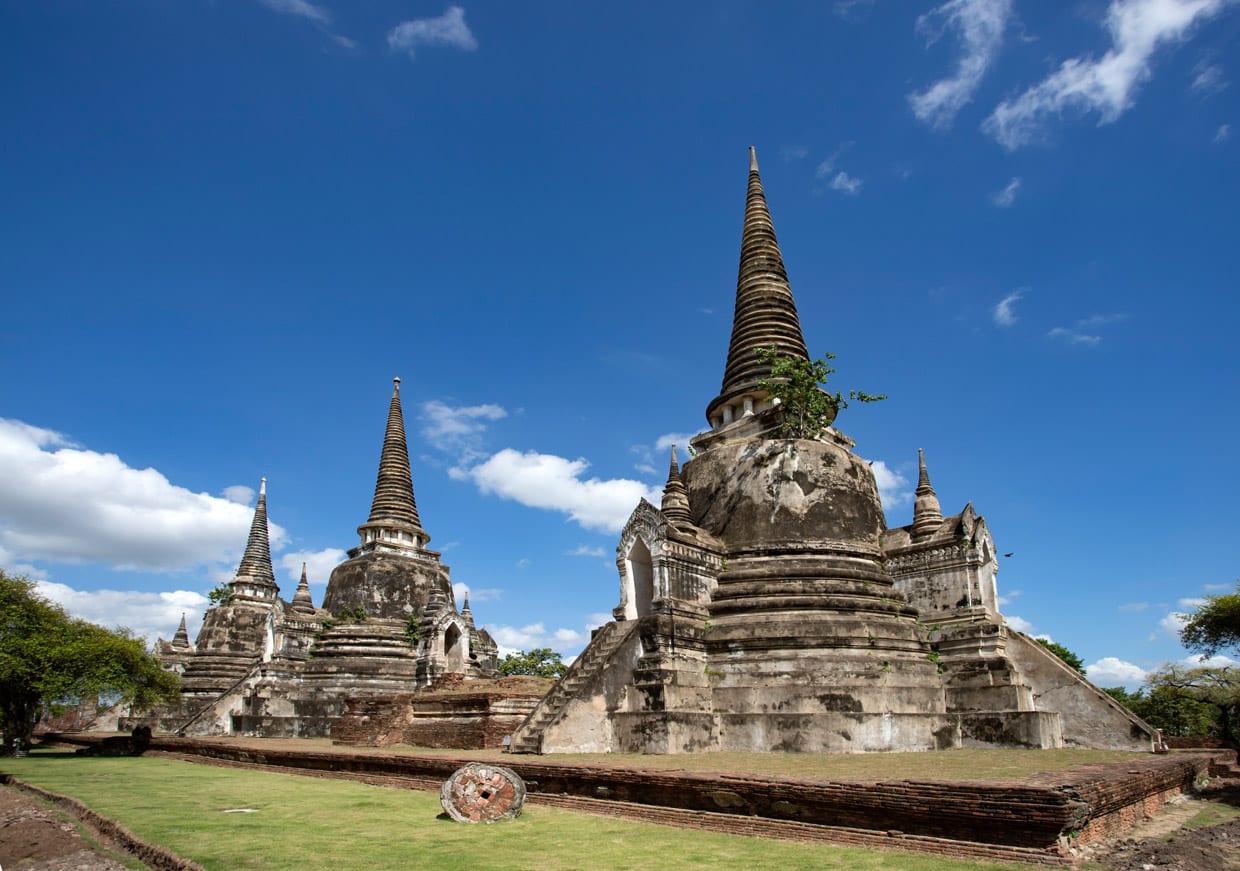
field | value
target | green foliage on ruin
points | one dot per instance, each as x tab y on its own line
539	662
48	657
354	614
797	386
1063	653
220	594
1215	625
413	630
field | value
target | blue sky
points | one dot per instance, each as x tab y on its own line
227	224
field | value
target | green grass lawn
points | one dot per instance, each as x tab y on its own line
311	823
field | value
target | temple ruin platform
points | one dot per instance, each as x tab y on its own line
1014	805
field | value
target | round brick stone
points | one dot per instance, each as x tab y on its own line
482	793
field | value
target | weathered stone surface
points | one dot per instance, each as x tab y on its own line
483	793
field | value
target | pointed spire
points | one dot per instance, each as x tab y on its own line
766	313
394	500
256	561
181	639
675	497
927	514
301	599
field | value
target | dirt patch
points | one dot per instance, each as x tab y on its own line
35	838
1161	844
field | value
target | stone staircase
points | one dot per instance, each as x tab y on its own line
528	737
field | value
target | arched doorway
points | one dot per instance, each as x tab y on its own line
641	579
453	650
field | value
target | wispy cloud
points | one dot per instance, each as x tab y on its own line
1208	79
587	550
1084	331
482	594
1222	134
1108	85
789	153
838	180
1133	607
846	184
1004	311
300	9
315	13
448	30
851	9
1004	198
458	429
980	25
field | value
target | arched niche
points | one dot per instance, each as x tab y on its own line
639	577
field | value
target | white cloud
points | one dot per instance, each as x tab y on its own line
458	430
849	8
151	615
568	642
448	29
1134	607
1004	312
482	594
1004	198
1173	622
980	25
558	484
1109	85
1216	661
845	183
1074	337
1111	671
1020	624
680	439
319	565
1077	335
301	9
893	488
523	563
1220	588
587	550
61	502
1208	79
1222	134
239	493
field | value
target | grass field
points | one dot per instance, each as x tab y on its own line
311	823
1005	766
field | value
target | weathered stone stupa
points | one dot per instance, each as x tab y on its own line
766	607
263	666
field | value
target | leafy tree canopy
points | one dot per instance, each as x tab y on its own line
47	656
539	662
1170	709
1215	625
797	387
1195	701
1063	653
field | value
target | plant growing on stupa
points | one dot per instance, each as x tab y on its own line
798	387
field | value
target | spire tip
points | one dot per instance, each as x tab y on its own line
262	487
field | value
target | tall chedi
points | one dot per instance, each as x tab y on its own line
401	629
813	646
240	631
391	574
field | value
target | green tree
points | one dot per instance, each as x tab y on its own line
1195	701
1063	653
539	662
46	656
796	385
220	594
1215	625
